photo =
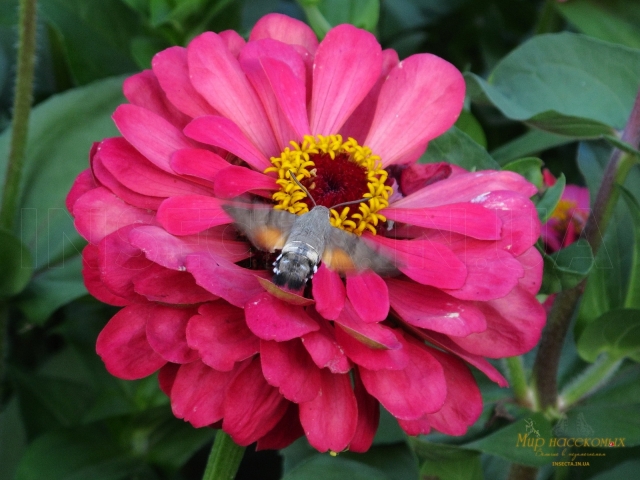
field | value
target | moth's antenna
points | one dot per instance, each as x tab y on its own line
343	204
293	177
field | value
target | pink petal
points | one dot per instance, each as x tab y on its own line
160	284
216	74
143	90
531	261
153	136
427	307
420	99
252	407
234	42
417	176
514	325
220	335
98	213
329	292
285	29
222	132
188	214
325	350
465	218
420	426
167	377
198	163
170	67
409	393
330	420
123	346
288	366
369	357
198	393
425	261
347	65
83	183
369	296
368	418
92	281
166	333
287	430
374	335
234	181
272	319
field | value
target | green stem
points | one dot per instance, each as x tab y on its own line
594	376
518	381
316	19
224	459
21	110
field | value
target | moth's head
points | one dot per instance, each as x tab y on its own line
292	270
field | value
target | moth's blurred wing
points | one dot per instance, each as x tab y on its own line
347	253
266	228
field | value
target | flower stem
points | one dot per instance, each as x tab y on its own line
518	380
594	376
21	110
548	357
224	459
316	19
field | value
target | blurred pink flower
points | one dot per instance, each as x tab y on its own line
215	121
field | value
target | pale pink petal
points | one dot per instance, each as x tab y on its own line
234	181
421	99
284	433
324	349
285	29
234	42
166	333
217	75
346	66
369	296
123	346
170	67
368	418
532	263
288	366
188	214
222	132
252	407
160	284
272	319
153	136
329	292
330	420
92	280
198	163
220	335
427	307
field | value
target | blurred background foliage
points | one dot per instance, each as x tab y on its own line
63	417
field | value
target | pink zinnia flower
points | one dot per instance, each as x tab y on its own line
223	118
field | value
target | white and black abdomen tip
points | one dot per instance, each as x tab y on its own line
292	270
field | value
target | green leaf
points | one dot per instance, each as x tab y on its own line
388	430
624	146
616	332
531	143
326	14
549	200
570	126
447	462
15	263
529	168
557	81
566	268
622	471
397	462
610	20
611	423
468	124
13	438
512	442
622	390
455	146
325	467
633	289
174	442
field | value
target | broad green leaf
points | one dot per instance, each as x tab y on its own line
531	143
517	442
566	268
447	462
610	20
617	333
325	467
296	453
455	146
174	442
13	438
623	389
624	146
388	430
397	461
468	124
569	126
633	289
549	200
529	168
558	82
622	471
621	422
15	263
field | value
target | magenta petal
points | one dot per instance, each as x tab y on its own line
92	280
222	132
188	214
83	183
160	284
330	420
285	29
234	181
123	346
234	42
144	91
252	407
532	264
421	98
409	393
419	426
170	67
368	418
220	335
366	356
325	350
167	377
329	292
288	366
347	65
198	393
465	218
284	433
217	75
374	335
369	296
427	307
272	319
198	163
166	333
153	136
